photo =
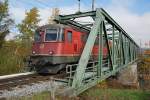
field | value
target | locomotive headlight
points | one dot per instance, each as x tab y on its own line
33	52
50	52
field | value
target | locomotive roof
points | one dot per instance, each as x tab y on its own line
61	26
53	25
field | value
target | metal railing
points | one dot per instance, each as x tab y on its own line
90	71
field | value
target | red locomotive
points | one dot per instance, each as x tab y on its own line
57	45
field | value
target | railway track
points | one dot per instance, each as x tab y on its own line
11	81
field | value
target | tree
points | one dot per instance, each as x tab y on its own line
29	24
5	21
55	12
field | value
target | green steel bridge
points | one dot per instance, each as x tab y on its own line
104	29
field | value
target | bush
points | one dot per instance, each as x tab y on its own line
11	57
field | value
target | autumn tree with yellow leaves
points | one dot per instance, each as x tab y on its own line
28	26
55	12
5	21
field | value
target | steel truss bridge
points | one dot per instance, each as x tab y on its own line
122	51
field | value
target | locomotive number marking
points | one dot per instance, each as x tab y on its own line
41	46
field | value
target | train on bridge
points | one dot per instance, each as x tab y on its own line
89	52
57	45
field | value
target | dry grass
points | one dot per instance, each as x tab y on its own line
144	72
11	58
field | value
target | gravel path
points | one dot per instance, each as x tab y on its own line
30	89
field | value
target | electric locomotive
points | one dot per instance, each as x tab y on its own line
56	45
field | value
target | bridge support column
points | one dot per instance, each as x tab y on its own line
128	76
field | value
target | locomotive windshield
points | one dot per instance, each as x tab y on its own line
51	35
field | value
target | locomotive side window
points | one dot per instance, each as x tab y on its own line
51	35
69	36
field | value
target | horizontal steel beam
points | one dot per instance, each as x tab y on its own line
72	16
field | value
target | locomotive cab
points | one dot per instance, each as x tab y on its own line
46	39
51	34
46	49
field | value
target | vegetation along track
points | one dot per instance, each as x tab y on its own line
9	83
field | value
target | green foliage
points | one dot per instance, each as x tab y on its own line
29	24
5	21
11	57
13	53
3	9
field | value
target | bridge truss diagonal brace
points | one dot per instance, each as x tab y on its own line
77	81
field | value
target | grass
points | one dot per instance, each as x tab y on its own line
115	94
38	96
97	94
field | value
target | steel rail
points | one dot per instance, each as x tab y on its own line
16	75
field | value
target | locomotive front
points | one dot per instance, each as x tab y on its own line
46	49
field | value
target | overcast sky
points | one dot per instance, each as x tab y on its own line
132	15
